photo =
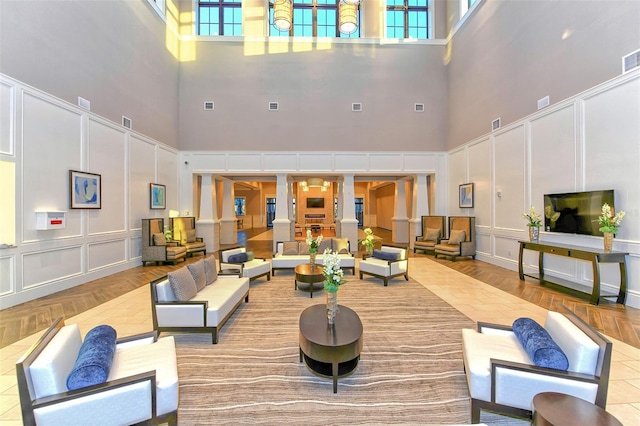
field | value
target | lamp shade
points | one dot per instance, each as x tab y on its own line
356	2
282	15
348	17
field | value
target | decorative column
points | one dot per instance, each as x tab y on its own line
282	223
419	207
400	221
348	222
228	234
207	225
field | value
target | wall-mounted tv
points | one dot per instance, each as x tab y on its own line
315	203
575	212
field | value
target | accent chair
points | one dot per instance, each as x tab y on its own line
386	263
184	231
155	248
433	231
461	240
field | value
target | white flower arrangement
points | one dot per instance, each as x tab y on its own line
609	222
313	244
333	275
369	239
533	218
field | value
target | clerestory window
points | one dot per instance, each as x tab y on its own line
313	18
408	19
220	17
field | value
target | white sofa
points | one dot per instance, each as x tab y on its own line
142	383
392	262
252	269
283	259
206	312
502	377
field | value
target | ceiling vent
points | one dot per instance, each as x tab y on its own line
356	107
82	102
126	122
418	107
274	106
544	102
495	124
631	61
208	106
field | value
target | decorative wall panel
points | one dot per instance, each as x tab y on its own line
244	162
43	267
480	175
315	162
384	162
351	162
106	253
280	162
142	172
457	176
418	162
7	114
168	175
7	274
509	172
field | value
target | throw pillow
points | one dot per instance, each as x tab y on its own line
385	255
304	248
457	236
539	345
190	235
341	245
198	273
94	358
290	247
431	234
238	258
250	256
159	240
210	269
324	244
183	285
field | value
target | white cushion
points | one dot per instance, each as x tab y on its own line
164	293
222	296
255	267
581	351
50	369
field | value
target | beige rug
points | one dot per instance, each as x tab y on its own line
410	371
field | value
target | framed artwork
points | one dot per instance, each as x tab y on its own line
466	196
157	196
85	190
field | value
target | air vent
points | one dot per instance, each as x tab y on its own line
418	107
82	102
544	102
495	124
126	122
631	61
356	107
208	105
274	106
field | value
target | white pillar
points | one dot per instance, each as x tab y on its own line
228	234
419	207
282	223
348	222
207	225
400	221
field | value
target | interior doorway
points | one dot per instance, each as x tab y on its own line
271	211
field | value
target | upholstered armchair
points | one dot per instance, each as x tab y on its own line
103	380
461	240
184	231
248	265
433	231
506	366
155	248
386	263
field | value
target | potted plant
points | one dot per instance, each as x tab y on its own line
333	279
609	224
368	241
534	222
313	246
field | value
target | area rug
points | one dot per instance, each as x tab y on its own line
410	370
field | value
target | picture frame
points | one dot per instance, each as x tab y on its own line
157	196
466	196
85	190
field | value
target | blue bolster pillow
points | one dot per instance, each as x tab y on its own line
94	358
385	255
537	342
238	258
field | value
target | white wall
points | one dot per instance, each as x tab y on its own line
49	137
588	142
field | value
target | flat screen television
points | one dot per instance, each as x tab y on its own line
575	212
315	203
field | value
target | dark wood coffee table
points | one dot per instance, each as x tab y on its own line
553	408
330	351
305	274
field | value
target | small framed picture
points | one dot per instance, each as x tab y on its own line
466	196
157	196
85	190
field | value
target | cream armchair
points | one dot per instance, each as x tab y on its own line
238	258
386	263
461	240
155	248
142	382
502	376
184	231
433	231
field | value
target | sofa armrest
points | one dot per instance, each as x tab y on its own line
491	328
137	340
192	313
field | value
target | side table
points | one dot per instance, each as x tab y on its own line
553	408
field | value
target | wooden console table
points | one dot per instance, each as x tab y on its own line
594	256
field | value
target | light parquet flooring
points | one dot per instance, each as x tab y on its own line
617	321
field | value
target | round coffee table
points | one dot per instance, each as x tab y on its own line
553	408
308	275
330	351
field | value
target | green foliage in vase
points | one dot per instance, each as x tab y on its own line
608	222
333	275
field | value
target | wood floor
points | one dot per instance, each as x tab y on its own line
617	321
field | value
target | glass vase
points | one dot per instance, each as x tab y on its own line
332	307
312	258
608	241
534	233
